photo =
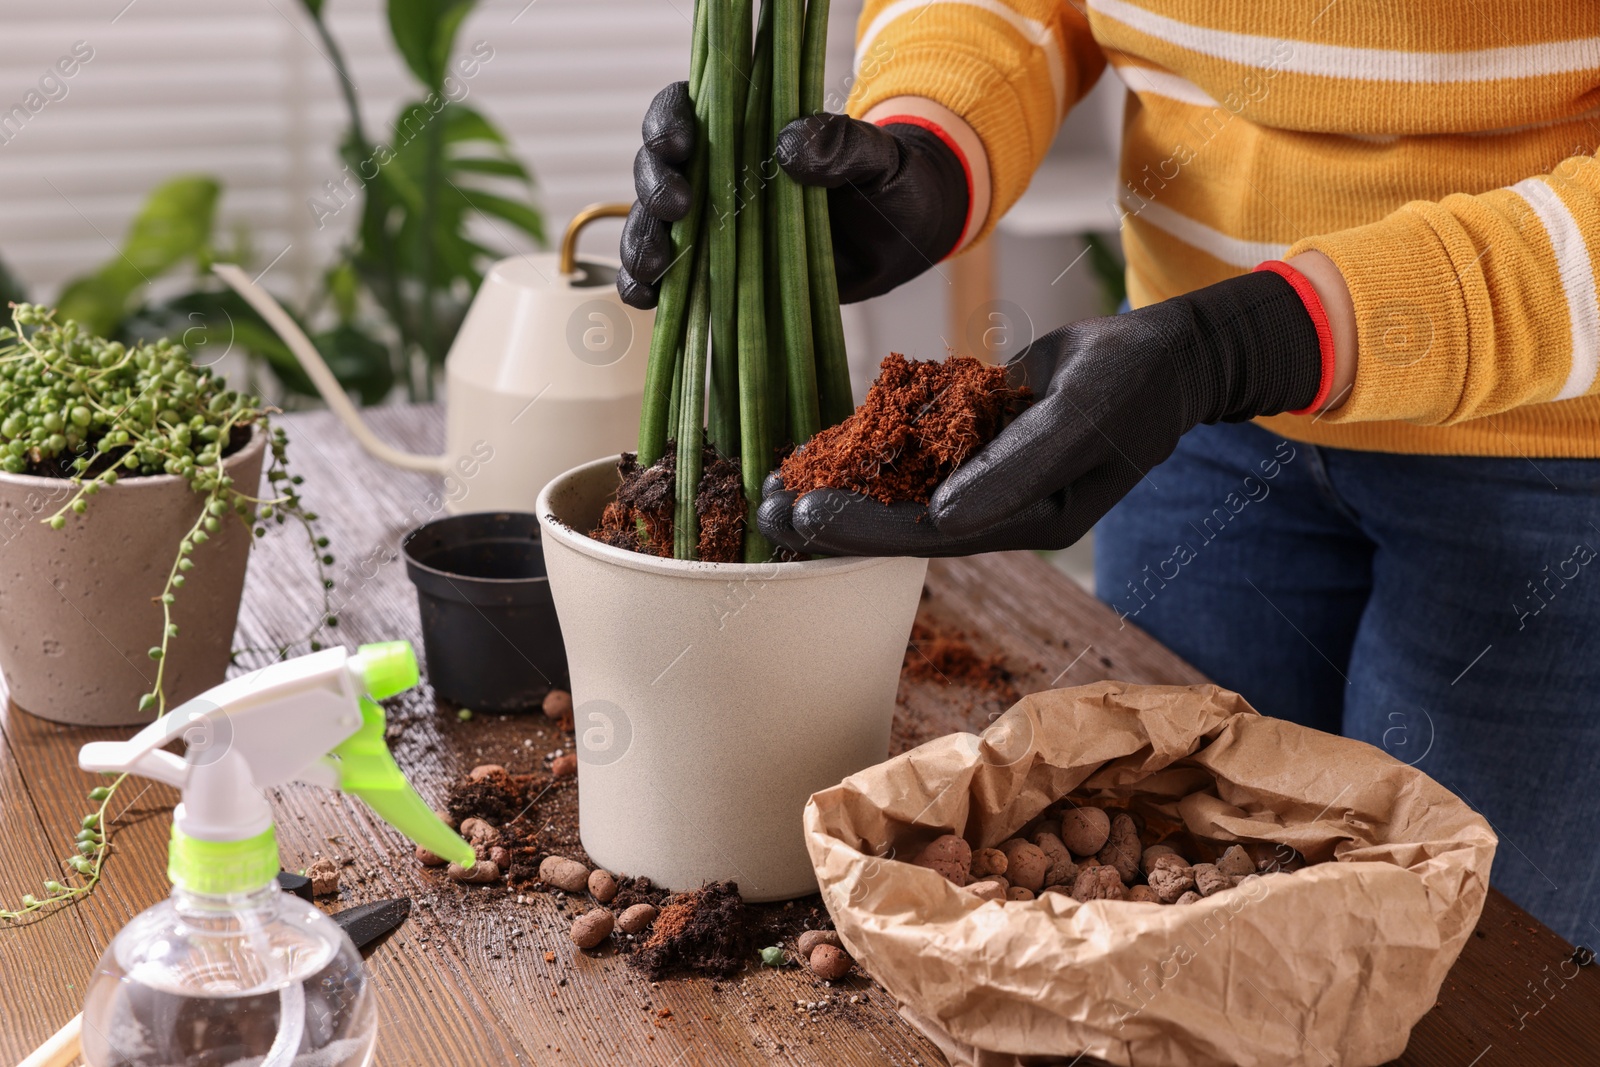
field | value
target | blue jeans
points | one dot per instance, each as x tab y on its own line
1444	608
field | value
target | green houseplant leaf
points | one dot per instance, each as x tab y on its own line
174	225
425	33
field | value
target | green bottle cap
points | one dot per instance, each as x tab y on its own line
389	668
217	868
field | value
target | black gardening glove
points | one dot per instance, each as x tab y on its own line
1113	397
897	199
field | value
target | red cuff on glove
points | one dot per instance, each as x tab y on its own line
1319	319
950	143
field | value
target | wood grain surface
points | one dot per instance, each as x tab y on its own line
473	984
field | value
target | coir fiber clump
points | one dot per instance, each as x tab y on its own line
920	420
640	518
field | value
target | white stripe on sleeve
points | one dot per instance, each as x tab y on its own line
1577	283
1364	64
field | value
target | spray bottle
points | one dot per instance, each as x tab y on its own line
229	969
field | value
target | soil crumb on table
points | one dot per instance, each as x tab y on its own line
946	656
921	419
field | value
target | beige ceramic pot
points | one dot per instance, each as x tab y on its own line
712	699
77	609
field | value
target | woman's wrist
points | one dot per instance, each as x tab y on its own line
965	139
1337	304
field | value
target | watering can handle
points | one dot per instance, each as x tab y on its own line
569	240
332	392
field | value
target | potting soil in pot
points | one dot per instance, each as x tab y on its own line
640	519
920	420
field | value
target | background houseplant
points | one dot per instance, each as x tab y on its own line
391	302
161	446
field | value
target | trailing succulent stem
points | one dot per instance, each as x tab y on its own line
91	412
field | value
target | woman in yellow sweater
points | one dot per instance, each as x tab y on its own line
1342	452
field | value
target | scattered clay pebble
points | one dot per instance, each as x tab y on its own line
807	942
602	886
1016	892
1062	870
988	889
429	859
950	855
557	704
564	766
829	962
987	861
1191	897
480	832
324	875
1209	880
500	857
1155	852
1170	883
1236	862
1168	861
1097	883
482	871
1026	864
1084	830
1122	850
485	770
637	918
1143	894
592	927
564	874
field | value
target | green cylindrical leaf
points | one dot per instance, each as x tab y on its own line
691	414
834	398
789	224
672	306
757	442
726	74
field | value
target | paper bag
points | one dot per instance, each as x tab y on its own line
1332	964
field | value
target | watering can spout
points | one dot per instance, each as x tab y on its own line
332	392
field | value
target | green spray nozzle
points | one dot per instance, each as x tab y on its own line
367	769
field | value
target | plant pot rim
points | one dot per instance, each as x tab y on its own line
414	564
558	530
257	442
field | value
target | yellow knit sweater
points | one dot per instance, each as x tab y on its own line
1441	152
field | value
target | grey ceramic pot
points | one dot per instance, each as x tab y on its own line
77	609
712	699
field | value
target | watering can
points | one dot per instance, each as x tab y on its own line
546	372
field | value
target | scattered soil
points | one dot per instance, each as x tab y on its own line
640	518
920	420
707	931
946	656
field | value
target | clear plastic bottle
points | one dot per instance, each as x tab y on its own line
259	978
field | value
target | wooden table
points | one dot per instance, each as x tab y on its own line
455	985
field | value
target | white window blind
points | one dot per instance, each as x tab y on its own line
241	90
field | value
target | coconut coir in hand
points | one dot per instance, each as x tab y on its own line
920	420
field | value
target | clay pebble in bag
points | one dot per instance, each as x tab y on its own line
1333	963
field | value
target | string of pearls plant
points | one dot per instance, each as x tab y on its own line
91	412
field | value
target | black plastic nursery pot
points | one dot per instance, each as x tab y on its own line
489	628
